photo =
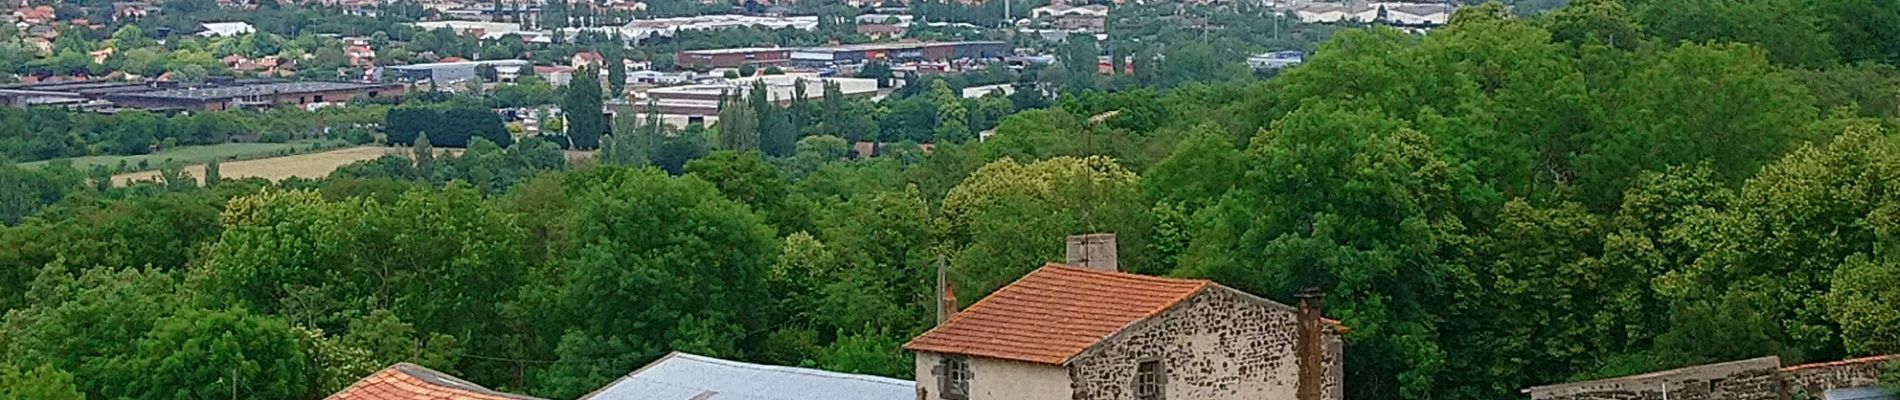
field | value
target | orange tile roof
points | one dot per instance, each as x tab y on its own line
405	381
1054	313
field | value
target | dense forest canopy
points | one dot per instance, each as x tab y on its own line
1607	188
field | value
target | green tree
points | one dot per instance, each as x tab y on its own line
1009	218
209	354
42	383
691	260
582	103
738	123
952	118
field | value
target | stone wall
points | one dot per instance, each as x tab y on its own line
1817	379
1754	379
1218	344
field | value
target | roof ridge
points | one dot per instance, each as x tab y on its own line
790	369
1131	275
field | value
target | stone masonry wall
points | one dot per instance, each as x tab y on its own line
1219	344
1755	379
1816	379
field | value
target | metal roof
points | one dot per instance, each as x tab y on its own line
682	376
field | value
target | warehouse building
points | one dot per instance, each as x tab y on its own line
252	94
933	51
732	58
448	73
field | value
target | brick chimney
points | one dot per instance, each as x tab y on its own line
1093	251
1312	346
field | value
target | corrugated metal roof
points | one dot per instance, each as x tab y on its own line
682	376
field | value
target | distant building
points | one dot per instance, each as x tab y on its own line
1059	10
1089	332
217	94
682	376
587	59
225	29
1402	14
883	31
259	94
449	73
1276	60
645	28
929	51
700	102
732	58
1753	379
407	381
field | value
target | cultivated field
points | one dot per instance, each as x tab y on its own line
197	154
313	165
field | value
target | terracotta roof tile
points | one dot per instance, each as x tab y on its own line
406	381
1054	313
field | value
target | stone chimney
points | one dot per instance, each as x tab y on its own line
1094	251
1312	346
946	292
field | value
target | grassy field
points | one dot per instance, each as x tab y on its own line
312	165
197	154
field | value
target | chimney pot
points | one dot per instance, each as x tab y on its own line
1094	251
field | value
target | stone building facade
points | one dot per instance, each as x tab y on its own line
1065	332
1219	344
1754	379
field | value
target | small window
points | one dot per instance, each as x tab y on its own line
1149	377
955	378
1715	386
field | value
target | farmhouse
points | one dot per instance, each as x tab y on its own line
682	376
1084	331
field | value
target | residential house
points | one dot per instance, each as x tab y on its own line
101	55
37	15
132	10
555	75
1085	331
360	55
883	31
682	376
586	59
407	381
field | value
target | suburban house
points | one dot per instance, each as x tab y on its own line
405	381
682	376
1752	379
1082	330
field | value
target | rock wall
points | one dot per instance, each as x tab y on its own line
1218	344
1816	379
1755	379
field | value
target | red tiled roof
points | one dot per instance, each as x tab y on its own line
405	381
1054	313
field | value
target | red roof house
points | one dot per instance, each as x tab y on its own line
1073	332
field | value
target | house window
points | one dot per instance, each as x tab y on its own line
954	378
1149	377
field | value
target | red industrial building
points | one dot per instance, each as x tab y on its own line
730	58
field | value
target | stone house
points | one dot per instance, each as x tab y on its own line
1752	379
1091	333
